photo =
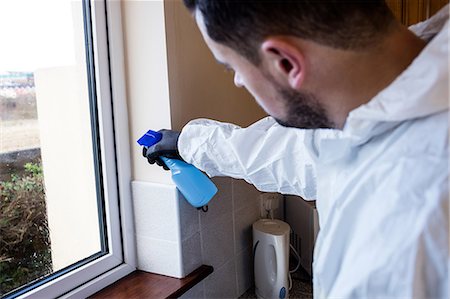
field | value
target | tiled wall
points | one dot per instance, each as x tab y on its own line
164	225
174	238
226	240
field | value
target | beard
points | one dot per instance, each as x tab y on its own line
303	110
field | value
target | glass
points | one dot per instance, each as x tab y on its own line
51	204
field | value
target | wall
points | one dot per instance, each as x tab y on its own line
220	237
225	236
171	79
147	79
414	11
199	87
304	222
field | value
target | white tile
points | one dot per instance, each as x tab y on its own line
244	271
220	206
244	194
244	219
191	253
196	292
156	211
159	256
218	243
222	282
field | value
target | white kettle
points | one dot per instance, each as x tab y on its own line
271	258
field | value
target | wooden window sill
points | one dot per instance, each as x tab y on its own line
140	284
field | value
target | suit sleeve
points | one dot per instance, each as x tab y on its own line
271	157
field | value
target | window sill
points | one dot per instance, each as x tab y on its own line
140	284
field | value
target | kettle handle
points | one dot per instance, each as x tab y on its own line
279	260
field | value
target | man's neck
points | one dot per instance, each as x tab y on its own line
352	78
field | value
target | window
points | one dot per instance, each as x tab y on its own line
61	221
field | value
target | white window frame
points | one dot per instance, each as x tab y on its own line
116	170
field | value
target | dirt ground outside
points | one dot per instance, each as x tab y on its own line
19	144
17	135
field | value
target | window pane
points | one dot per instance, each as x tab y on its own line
49	165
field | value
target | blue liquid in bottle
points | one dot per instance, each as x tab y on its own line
195	186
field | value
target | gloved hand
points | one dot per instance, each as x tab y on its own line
166	147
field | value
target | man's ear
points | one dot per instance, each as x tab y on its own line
284	60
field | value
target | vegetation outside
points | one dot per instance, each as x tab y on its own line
25	253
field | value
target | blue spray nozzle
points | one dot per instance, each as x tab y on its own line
150	138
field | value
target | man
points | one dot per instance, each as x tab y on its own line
359	122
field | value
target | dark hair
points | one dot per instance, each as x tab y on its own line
243	24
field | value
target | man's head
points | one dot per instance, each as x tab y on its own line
274	47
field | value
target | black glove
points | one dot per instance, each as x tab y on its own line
166	147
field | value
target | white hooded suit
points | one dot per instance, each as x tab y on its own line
381	184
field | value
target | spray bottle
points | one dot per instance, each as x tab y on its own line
195	186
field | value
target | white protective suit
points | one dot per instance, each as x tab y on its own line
381	184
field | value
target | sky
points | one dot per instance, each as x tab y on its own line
36	34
